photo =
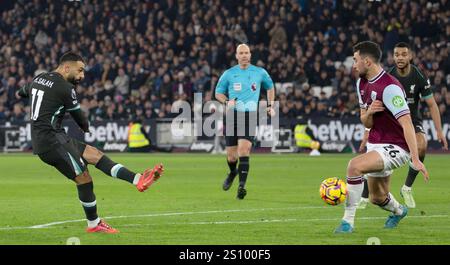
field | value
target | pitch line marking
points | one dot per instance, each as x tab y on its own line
49	225
161	214
277	221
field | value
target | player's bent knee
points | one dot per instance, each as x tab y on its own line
232	158
353	168
245	152
83	178
422	144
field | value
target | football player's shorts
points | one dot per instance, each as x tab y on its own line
66	156
393	157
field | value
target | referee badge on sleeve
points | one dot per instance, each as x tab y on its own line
237	86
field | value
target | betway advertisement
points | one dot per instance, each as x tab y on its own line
334	135
106	135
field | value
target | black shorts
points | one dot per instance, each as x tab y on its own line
66	156
243	126
418	127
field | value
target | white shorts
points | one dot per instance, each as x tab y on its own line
393	157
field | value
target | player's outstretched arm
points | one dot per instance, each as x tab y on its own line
435	115
410	137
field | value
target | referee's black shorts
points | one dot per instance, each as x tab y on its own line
242	126
66	156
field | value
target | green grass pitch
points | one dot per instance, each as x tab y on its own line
187	205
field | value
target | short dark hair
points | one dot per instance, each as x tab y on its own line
70	57
402	45
368	48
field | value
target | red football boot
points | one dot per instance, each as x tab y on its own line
149	176
102	227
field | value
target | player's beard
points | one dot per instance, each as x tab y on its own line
405	65
73	80
362	74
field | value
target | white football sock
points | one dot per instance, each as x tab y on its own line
355	187
136	179
92	224
392	205
406	188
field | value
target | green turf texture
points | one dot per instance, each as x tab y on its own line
187	206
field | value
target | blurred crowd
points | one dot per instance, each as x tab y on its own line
143	57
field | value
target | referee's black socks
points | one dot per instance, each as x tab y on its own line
244	166
115	170
232	166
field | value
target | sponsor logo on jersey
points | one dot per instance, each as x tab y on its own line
398	101
237	86
411	89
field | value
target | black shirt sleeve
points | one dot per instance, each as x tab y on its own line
80	119
24	91
69	98
425	86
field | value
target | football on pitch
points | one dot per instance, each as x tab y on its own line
333	191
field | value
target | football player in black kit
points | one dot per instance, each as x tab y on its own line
417	86
51	95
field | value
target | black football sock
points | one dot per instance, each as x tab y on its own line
232	166
243	168
365	193
115	170
412	174
87	199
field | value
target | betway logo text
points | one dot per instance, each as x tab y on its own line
336	131
109	132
